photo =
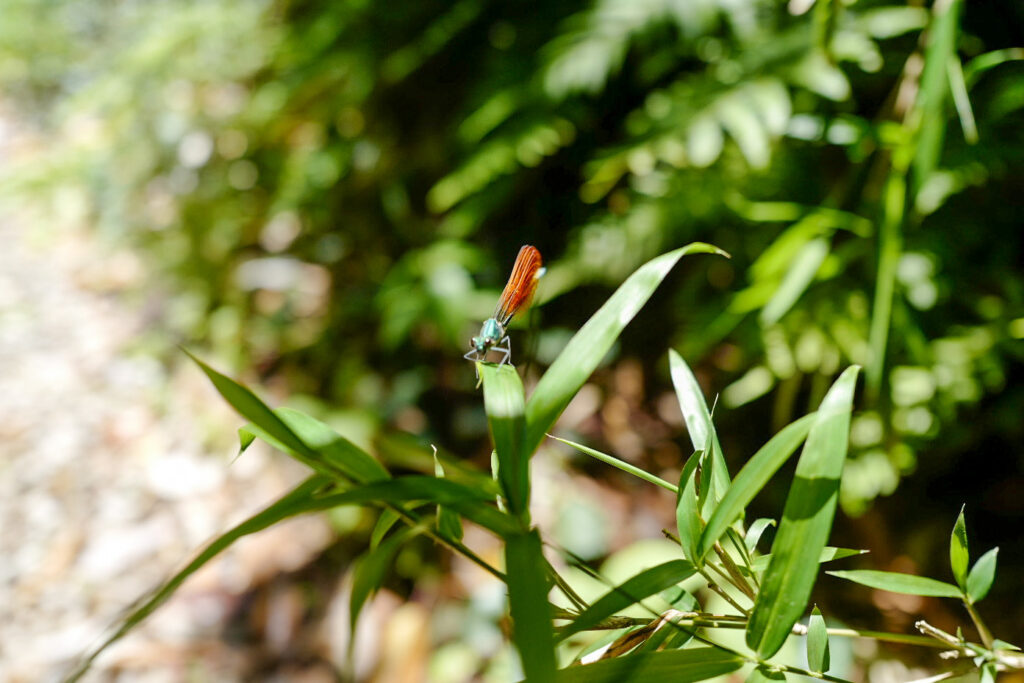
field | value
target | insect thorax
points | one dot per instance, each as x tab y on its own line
490	334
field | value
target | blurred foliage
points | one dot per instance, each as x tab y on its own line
331	192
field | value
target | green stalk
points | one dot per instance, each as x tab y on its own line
889	249
986	635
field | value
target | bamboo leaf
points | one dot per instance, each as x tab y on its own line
504	403
528	603
589	345
752	478
471	503
827	554
983	573
799	276
388	518
806	522
959	558
630	592
755	531
929	107
333	450
307	440
899	583
621	464
699	423
256	411
448	523
678	666
817	643
688	520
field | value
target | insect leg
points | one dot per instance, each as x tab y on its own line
506	349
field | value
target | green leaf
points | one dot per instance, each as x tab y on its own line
988	673
291	504
688	520
929	109
959	557
256	411
806	522
504	403
448	523
621	464
630	592
471	503
388	518
817	643
245	439
799	276
755	531
899	583
369	573
752	478
764	674
307	440
698	422
528	603
589	345
827	554
332	452
983	573
335	449
983	62
678	666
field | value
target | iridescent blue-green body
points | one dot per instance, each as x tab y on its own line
492	334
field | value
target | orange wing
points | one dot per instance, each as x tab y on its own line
522	283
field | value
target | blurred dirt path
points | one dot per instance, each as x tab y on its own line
113	471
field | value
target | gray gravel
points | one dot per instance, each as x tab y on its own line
113	471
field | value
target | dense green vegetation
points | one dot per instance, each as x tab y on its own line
329	195
332	191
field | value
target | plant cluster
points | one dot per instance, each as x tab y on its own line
766	595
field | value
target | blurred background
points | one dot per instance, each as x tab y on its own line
324	199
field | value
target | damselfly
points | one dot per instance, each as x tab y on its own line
515	297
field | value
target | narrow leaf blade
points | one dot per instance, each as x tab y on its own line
449	525
806	521
621	464
983	573
505	404
698	420
678	666
752	478
688	520
959	557
252	408
588	347
471	503
817	643
630	592
529	606
798	278
899	583
755	532
827	554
